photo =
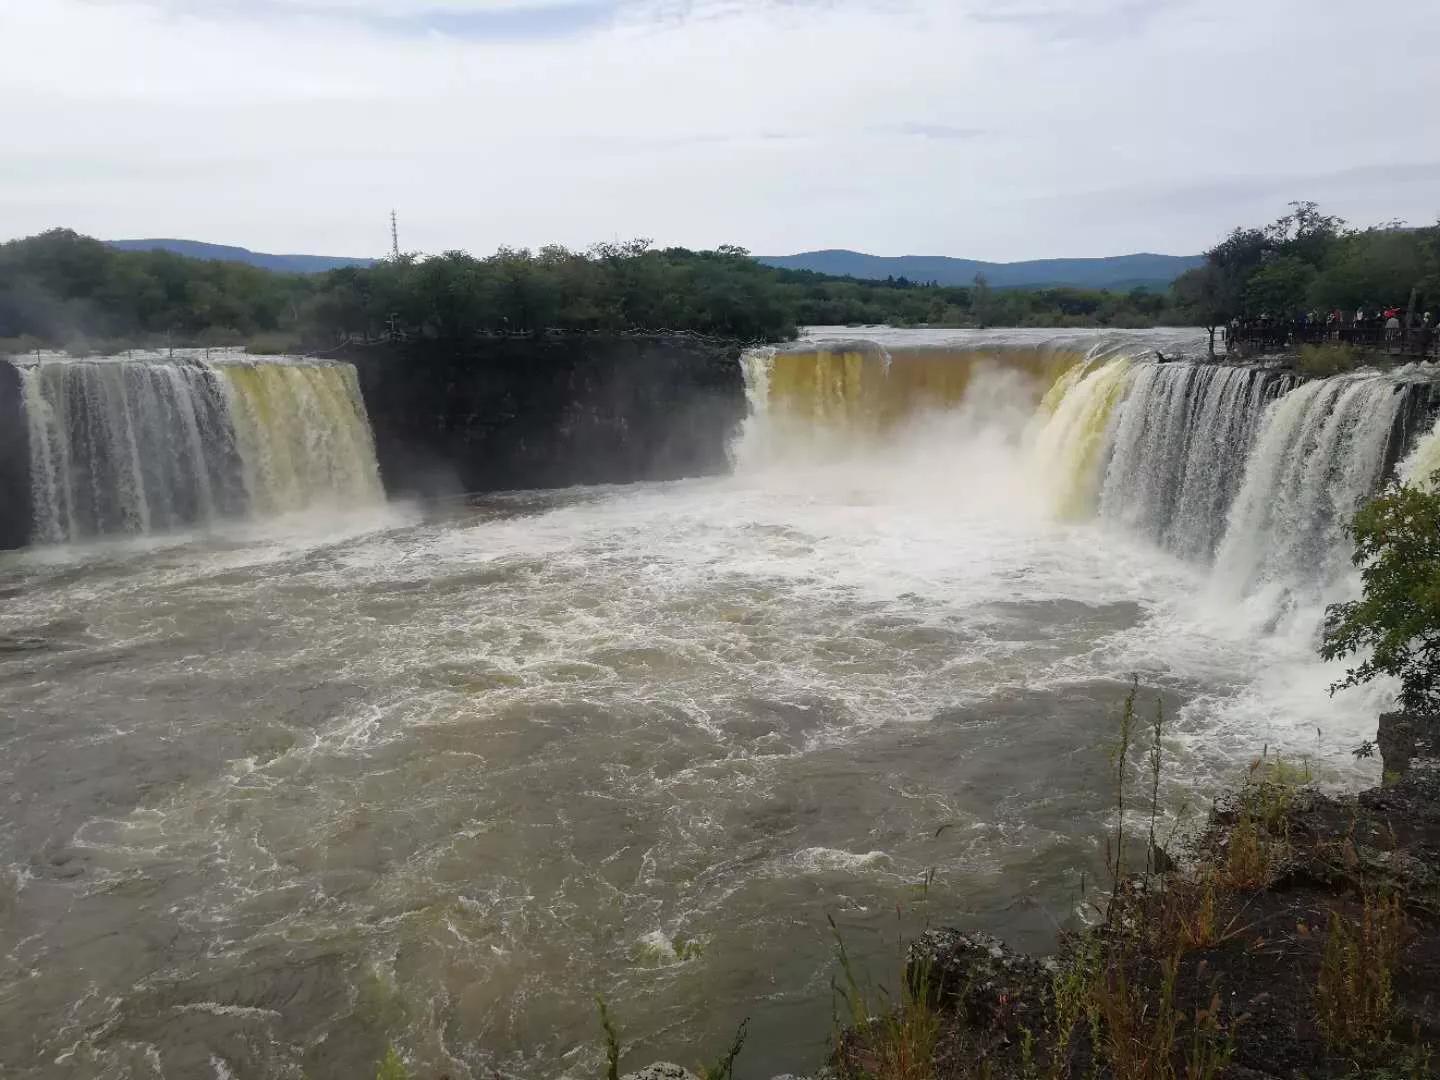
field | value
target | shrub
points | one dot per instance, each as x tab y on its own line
1323	360
1395	626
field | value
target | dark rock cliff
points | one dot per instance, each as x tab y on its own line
508	412
15	515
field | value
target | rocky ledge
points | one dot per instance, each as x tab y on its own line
496	413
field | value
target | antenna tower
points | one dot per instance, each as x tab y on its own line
394	237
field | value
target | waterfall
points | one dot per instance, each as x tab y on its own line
1180	451
1073	439
1420	467
814	402
1321	452
131	446
303	435
1252	471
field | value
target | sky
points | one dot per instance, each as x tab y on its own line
990	129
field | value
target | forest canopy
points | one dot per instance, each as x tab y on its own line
63	289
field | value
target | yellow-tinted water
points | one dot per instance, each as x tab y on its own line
816	396
303	435
1069	442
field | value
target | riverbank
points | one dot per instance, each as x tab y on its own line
1299	935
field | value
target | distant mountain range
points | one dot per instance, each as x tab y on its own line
1117	272
285	264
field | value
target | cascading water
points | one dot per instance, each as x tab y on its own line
303	435
1072	439
133	446
1252	469
1180	451
1423	462
817	402
1320	453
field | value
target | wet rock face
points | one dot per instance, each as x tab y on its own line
505	413
1409	741
980	976
15	515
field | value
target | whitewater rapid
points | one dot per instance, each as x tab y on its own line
435	776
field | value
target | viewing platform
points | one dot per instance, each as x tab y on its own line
1414	343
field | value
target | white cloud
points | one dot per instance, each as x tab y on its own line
987	129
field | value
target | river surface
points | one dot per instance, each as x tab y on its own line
278	796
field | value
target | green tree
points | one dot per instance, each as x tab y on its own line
1376	266
1305	233
1430	264
1202	296
1279	287
1397	619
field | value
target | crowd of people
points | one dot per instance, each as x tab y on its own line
1392	326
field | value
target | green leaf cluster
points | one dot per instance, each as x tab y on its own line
1395	625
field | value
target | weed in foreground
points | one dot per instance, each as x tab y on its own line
1139	1028
890	1040
1120	758
1354	996
1248	860
724	1068
612	1040
1073	997
1185	916
1271	788
1145	1031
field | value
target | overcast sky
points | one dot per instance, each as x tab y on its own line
994	129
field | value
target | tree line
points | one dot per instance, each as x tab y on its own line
63	289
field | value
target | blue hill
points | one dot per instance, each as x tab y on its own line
285	264
1116	272
1120	272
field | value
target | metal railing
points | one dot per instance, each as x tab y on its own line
1414	342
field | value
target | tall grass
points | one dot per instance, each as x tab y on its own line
891	1039
1354	995
1120	759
